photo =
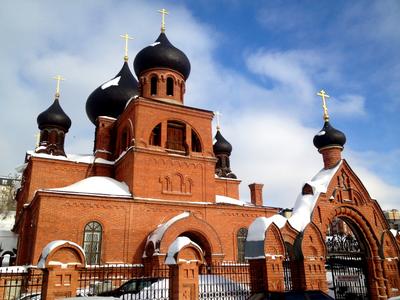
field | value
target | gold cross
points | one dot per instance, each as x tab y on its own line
324	95
37	136
126	37
163	12
58	78
217	114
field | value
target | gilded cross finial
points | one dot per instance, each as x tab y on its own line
217	114
58	78
127	38
163	12
324	95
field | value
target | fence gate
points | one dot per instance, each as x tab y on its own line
224	281
347	268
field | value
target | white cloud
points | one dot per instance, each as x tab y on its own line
266	126
349	105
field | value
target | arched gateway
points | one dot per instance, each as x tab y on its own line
337	239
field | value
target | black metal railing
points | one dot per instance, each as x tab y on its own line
287	272
347	273
124	281
224	281
17	282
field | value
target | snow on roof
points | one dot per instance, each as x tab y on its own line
260	225
176	246
304	205
98	185
50	247
154	44
158	233
111	82
228	200
302	210
394	232
78	158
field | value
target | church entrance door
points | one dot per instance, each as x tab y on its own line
346	263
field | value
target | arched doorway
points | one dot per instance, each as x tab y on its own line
202	241
346	261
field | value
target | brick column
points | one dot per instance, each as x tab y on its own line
311	275
266	275
184	281
331	156
60	282
256	193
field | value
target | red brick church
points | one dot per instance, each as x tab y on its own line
155	175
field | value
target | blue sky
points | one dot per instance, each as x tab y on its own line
258	62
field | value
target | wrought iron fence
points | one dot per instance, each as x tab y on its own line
348	276
224	281
20	282
124	281
287	272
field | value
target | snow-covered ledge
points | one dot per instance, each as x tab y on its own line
52	247
176	246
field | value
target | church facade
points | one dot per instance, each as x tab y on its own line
155	175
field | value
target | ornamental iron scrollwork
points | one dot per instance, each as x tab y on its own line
342	243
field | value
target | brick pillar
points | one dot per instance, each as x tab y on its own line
311	275
331	156
184	281
376	281
103	145
266	275
256	193
60	282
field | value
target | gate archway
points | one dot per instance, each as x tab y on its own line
346	260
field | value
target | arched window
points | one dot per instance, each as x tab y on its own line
92	237
170	86
196	145
176	136
155	137
124	140
241	240
153	85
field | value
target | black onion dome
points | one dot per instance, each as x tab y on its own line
221	146
110	98
54	116
329	136
162	54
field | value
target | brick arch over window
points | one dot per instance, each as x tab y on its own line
197	228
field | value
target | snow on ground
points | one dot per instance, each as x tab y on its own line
8	239
98	185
